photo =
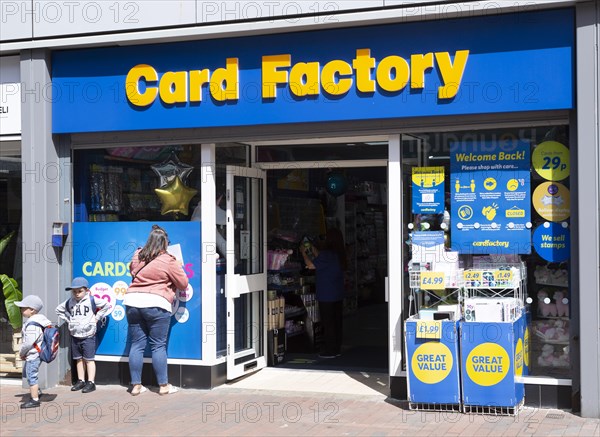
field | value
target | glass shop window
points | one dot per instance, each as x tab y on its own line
11	269
136	183
487	226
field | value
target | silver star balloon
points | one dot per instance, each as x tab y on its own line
169	169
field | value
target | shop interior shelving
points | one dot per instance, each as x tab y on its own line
300	305
551	325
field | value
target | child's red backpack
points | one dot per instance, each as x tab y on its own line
50	342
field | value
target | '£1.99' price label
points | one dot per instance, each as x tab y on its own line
433	281
429	329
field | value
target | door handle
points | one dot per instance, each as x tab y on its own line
235	285
232	286
387	289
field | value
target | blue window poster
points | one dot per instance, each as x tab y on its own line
427	246
101	254
428	190
491	200
552	241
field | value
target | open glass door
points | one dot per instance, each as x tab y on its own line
246	275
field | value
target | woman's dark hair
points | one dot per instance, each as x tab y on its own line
334	241
157	243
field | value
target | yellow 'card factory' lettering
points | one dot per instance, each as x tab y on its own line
335	78
392	74
182	86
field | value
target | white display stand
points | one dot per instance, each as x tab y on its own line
493	343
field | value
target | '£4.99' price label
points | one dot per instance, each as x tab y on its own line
429	329
432	281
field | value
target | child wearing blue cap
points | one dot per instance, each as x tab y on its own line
82	312
32	335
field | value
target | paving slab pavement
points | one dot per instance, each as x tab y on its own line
243	410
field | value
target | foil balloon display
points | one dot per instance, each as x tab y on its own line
170	168
336	184
175	197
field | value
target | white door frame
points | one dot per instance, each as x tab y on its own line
253	285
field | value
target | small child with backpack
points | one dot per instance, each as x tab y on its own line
33	341
82	311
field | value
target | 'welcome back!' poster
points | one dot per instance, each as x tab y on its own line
491	201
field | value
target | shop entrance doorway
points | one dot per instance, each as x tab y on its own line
303	201
304	217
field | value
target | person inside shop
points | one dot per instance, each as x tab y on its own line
156	276
329	263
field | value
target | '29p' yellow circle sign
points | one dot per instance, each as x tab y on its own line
551	160
488	364
432	362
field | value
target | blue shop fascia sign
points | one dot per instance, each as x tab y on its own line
489	64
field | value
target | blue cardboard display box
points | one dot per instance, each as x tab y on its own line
432	361
492	357
526	332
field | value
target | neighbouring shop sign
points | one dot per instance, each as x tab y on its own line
428	190
490	197
462	66
10	96
102	254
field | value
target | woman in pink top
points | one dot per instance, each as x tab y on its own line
156	276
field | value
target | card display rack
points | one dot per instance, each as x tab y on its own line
433	376
433	386
497	280
429	289
492	385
